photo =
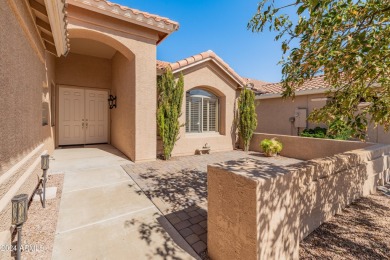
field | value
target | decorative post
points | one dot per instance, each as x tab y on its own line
44	167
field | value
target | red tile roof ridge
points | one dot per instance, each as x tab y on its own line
203	56
157	18
317	82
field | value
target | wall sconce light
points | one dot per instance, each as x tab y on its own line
44	167
19	216
112	101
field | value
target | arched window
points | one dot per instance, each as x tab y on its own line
201	111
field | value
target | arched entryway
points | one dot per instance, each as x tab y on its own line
97	67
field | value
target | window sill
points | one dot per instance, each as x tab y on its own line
202	135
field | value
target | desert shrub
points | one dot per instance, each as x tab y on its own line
271	147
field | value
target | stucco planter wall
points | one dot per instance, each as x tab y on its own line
306	148
258	212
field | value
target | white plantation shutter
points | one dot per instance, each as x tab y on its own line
212	115
195	114
188	118
205	115
201	112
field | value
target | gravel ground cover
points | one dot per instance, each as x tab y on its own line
361	231
39	230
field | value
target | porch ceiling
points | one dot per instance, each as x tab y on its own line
92	48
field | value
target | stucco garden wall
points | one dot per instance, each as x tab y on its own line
209	77
273	116
259	211
27	73
306	148
83	71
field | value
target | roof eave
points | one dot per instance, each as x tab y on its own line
238	81
57	19
128	16
298	93
166	35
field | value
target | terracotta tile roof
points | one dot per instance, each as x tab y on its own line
276	88
258	86
114	8
161	65
255	84
204	56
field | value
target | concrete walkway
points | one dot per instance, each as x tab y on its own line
104	215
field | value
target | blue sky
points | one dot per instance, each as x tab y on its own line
218	25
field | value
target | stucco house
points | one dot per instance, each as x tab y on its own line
62	60
289	116
60	63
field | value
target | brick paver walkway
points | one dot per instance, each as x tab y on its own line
178	187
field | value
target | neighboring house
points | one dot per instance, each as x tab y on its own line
289	116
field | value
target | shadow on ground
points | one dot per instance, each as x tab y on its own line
161	229
179	188
183	189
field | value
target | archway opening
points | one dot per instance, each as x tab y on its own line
96	67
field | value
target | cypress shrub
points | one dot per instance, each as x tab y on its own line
247	117
169	102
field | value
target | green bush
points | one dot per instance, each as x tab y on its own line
317	132
338	129
271	147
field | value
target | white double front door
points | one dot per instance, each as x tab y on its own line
83	116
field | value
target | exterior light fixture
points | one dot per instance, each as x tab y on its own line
44	167
112	101
19	216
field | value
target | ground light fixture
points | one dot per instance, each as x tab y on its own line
44	167
19	216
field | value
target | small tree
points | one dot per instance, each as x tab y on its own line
247	118
346	41
170	98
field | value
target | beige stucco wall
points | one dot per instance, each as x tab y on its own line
83	71
262	211
378	135
273	117
27	71
210	77
123	116
273	114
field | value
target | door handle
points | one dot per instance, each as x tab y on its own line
86	125
82	125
